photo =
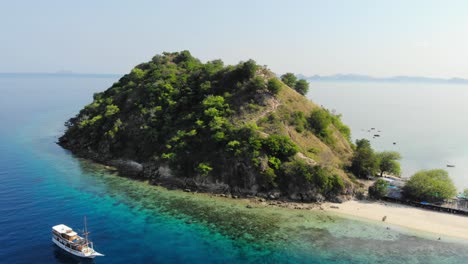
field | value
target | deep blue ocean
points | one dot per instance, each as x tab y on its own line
42	185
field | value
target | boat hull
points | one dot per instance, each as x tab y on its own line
75	252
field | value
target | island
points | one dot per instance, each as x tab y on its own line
243	132
206	127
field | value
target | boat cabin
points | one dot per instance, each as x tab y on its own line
64	232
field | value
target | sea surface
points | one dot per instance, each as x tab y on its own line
42	185
427	122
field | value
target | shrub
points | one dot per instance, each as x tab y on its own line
379	189
302	87
344	129
337	184
289	79
274	162
270	175
234	147
279	146
204	169
137	73
326	182
319	121
430	185
274	86
246	70
90	122
111	110
299	120
364	161
256	84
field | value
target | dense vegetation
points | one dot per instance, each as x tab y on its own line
301	86
366	162
388	162
430	185
216	123
379	189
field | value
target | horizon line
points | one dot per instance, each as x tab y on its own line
63	74
315	77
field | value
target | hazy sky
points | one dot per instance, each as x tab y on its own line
380	38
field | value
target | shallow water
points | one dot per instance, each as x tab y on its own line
42	185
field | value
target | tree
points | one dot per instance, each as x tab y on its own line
204	169
301	86
274	86
289	79
247	69
430	185
388	162
379	189
364	161
319	121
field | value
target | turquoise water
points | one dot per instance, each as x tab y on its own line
131	222
428	122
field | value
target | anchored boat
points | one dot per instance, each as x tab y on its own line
68	240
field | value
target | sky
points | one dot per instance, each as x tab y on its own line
375	37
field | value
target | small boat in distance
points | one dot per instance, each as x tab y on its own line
67	239
450	166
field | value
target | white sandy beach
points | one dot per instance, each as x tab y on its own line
442	224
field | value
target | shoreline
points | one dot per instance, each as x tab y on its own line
405	219
440	224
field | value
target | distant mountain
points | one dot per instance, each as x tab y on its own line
394	79
58	74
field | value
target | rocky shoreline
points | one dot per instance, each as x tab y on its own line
161	175
434	225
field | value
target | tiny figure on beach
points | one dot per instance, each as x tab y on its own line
384	218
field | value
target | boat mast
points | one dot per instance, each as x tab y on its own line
85	233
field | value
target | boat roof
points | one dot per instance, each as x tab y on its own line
63	229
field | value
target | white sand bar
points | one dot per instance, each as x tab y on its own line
405	216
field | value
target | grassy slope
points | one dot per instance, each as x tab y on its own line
280	107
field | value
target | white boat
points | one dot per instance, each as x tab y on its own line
68	240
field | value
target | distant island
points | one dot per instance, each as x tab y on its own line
313	78
393	79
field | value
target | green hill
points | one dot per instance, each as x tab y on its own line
205	126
